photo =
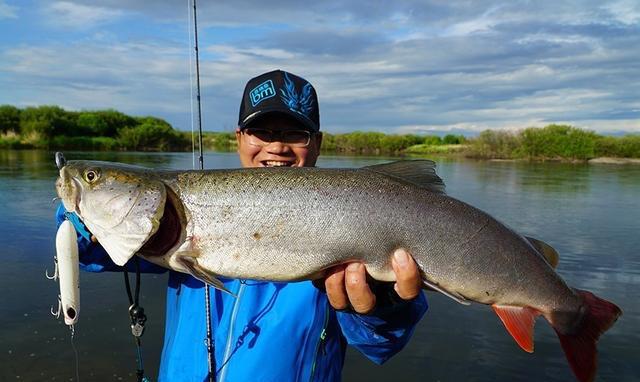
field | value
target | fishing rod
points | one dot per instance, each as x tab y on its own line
207	295
195	30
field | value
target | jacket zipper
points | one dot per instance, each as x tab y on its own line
232	321
321	342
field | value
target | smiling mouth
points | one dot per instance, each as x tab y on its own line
276	163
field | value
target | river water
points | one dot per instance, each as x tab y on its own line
589	213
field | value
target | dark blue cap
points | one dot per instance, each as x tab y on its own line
280	92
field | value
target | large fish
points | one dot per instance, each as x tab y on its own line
289	224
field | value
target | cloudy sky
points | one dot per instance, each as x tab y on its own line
401	66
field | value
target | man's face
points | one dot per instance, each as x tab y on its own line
277	152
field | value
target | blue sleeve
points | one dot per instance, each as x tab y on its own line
93	258
385	331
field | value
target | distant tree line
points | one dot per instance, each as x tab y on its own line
553	142
372	143
54	127
355	143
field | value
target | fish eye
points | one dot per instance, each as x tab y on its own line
91	175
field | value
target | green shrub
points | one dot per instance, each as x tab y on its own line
423	149
11	142
9	119
431	140
47	121
557	141
359	142
492	144
451	139
218	141
627	146
84	143
89	123
104	144
71	143
152	134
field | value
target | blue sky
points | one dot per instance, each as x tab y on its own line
395	67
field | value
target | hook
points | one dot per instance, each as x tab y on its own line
57	314
55	273
60	161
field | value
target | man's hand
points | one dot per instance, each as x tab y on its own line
347	284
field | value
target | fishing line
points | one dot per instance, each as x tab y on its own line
75	352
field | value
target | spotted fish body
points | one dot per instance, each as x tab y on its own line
286	224
289	224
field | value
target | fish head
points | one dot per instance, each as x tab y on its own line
121	205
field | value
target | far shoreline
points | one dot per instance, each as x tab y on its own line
434	156
612	160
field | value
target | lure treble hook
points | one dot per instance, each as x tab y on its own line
55	273
57	314
60	161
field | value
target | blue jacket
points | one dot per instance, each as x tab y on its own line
270	332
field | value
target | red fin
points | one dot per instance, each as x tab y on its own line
519	322
580	347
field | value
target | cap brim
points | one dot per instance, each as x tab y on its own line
308	123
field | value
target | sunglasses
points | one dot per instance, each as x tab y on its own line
263	137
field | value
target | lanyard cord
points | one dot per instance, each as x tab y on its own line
138	318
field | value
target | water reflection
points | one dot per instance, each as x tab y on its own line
588	213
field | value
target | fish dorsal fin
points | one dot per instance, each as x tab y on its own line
421	173
519	322
547	251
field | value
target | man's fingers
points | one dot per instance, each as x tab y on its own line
362	299
408	281
334	286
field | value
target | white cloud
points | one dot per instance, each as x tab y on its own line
8	11
67	14
626	12
135	78
442	69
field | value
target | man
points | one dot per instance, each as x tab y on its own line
281	331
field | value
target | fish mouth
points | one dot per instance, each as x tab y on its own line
277	163
171	230
69	189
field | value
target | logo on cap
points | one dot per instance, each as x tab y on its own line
300	103
261	92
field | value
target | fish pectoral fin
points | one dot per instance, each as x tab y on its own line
519	322
197	271
426	284
547	251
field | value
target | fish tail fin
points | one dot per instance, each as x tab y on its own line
519	322
580	347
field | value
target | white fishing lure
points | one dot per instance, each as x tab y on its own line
68	273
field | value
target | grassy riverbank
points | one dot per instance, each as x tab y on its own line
51	127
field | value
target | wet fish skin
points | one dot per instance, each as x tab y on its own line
288	224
